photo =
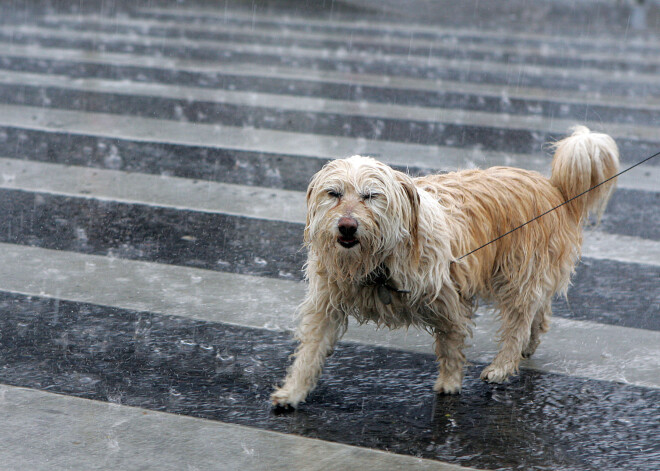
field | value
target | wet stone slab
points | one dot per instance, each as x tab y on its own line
210	111
368	396
195	162
140	232
444	47
341	87
358	64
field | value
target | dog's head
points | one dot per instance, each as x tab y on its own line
359	211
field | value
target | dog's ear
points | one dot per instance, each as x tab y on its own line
313	184
310	189
411	217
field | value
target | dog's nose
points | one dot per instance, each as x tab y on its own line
347	226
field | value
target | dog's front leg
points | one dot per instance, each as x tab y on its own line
449	351
318	334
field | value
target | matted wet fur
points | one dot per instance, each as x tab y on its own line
382	247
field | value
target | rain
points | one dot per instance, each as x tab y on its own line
155	157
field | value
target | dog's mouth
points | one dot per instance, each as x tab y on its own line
347	242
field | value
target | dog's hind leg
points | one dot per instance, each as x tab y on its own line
318	334
449	351
540	325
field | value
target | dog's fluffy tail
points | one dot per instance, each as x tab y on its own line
581	161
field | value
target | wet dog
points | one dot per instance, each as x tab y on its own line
384	247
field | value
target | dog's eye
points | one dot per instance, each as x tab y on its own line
334	193
370	196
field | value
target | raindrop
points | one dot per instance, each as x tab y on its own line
225	357
272	326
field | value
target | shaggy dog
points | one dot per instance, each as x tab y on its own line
385	247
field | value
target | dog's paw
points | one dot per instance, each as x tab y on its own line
447	389
448	385
531	347
496	374
283	398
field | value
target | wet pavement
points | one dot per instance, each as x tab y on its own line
153	163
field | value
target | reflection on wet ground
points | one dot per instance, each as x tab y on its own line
154	158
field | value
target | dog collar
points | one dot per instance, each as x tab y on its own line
381	279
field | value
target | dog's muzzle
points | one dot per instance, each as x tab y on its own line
347	228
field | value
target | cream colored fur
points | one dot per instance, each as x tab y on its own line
417	228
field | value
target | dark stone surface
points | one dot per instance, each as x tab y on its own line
513	76
367	396
442	131
615	293
208	52
140	232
